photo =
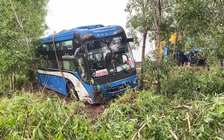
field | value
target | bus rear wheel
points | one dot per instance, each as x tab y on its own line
71	93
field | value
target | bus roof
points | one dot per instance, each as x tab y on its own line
97	30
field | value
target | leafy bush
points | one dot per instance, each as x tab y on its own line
191	107
153	72
29	118
21	81
150	116
192	81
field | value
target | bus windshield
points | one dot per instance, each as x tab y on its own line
107	56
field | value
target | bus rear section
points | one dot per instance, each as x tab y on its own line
98	63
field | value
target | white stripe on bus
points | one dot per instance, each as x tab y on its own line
80	89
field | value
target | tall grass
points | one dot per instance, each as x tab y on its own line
26	117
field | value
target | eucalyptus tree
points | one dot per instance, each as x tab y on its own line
22	22
149	18
140	21
164	26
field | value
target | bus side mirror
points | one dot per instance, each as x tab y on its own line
130	39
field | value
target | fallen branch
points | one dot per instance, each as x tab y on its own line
187	105
64	124
139	130
221	124
189	123
181	106
174	135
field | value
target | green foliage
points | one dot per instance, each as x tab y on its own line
139	18
192	109
153	72
159	115
22	23
21	81
196	80
199	20
26	117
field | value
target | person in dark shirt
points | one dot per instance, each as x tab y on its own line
183	58
186	61
180	58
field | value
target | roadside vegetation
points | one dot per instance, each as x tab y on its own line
190	106
173	103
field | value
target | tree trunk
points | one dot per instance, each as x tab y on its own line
143	58
13	81
10	82
175	44
158	88
157	21
1	79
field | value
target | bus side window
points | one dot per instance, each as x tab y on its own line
43	63
44	47
67	45
81	69
57	46
68	65
51	47
53	64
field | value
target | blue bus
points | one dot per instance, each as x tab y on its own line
91	63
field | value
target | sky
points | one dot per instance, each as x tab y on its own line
68	14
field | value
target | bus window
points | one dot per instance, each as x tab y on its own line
68	65
67	45
44	47
53	64
43	64
124	58
81	69
57	45
50	47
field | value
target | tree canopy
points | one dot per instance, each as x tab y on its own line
196	19
22	23
182	24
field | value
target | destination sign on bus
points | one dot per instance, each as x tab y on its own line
102	72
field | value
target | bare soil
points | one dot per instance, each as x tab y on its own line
94	111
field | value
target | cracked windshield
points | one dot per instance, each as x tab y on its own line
108	56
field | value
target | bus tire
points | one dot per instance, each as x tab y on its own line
71	93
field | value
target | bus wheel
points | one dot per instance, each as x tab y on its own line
71	93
